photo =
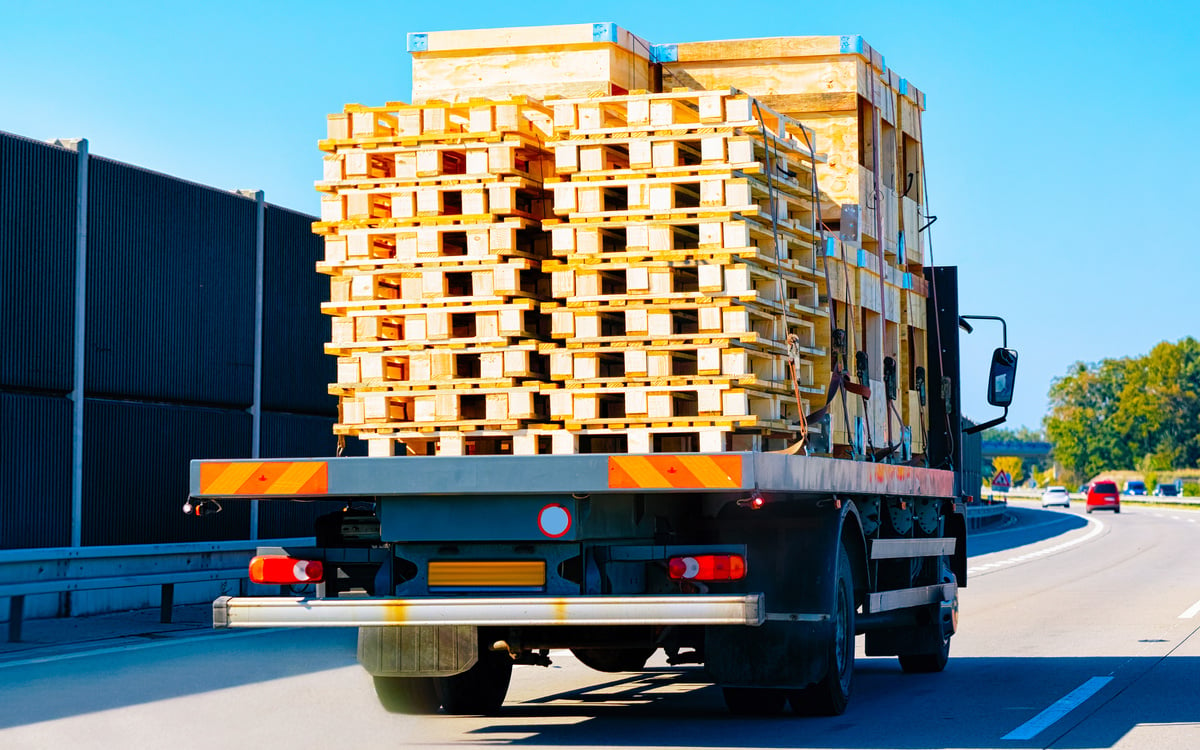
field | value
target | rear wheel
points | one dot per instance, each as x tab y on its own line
479	690
927	663
744	701
945	617
830	696
407	695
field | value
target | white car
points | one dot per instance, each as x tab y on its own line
1056	496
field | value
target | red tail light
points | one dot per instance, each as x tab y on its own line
281	569
707	568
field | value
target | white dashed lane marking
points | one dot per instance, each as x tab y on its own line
1097	530
1058	710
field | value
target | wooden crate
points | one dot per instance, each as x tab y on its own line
541	61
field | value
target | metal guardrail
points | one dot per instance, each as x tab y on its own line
54	570
986	514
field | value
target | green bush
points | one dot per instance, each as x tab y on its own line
1191	490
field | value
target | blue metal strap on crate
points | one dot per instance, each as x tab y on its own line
664	53
604	32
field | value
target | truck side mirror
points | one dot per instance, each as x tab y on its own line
1002	376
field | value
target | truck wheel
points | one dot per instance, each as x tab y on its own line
743	701
614	659
407	695
927	663
830	696
479	690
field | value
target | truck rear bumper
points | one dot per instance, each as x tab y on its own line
270	612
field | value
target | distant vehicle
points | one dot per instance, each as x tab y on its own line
1056	496
1103	496
1135	487
1083	490
1166	490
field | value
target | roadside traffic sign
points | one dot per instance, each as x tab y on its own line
1001	482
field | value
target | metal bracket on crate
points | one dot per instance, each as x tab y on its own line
819	437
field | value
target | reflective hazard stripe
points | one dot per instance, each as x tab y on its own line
674	471
264	478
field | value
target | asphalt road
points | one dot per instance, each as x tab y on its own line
1075	633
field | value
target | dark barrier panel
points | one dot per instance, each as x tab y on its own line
38	197
298	436
296	371
170	289
135	471
35	471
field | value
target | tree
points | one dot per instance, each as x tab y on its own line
1116	412
1011	464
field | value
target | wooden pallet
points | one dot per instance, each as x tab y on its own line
463	367
397	406
450	325
430	243
488	282
437	121
555	440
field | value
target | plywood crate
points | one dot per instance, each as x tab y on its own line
584	59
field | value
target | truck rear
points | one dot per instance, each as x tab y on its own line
657	365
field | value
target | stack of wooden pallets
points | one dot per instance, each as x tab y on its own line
867	121
432	216
611	270
685	236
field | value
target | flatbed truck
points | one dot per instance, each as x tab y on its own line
762	567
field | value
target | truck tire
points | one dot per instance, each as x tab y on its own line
614	659
407	695
944	615
743	701
481	689
927	663
830	696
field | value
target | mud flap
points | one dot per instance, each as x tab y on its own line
794	564
418	650
777	654
922	639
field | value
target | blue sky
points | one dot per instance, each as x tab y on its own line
1060	138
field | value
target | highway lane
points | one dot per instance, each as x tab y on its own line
1097	615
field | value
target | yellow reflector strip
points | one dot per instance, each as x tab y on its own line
487	573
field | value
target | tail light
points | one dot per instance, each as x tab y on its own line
707	568
281	569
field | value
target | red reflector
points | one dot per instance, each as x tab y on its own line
281	569
707	568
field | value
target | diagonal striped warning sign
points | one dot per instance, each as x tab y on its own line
674	471
264	478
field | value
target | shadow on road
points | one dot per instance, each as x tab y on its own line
31	693
972	705
1023	526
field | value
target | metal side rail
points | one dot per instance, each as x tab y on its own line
270	612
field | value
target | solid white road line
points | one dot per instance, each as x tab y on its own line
1098	528
1061	708
1190	612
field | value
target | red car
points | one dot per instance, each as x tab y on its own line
1103	495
